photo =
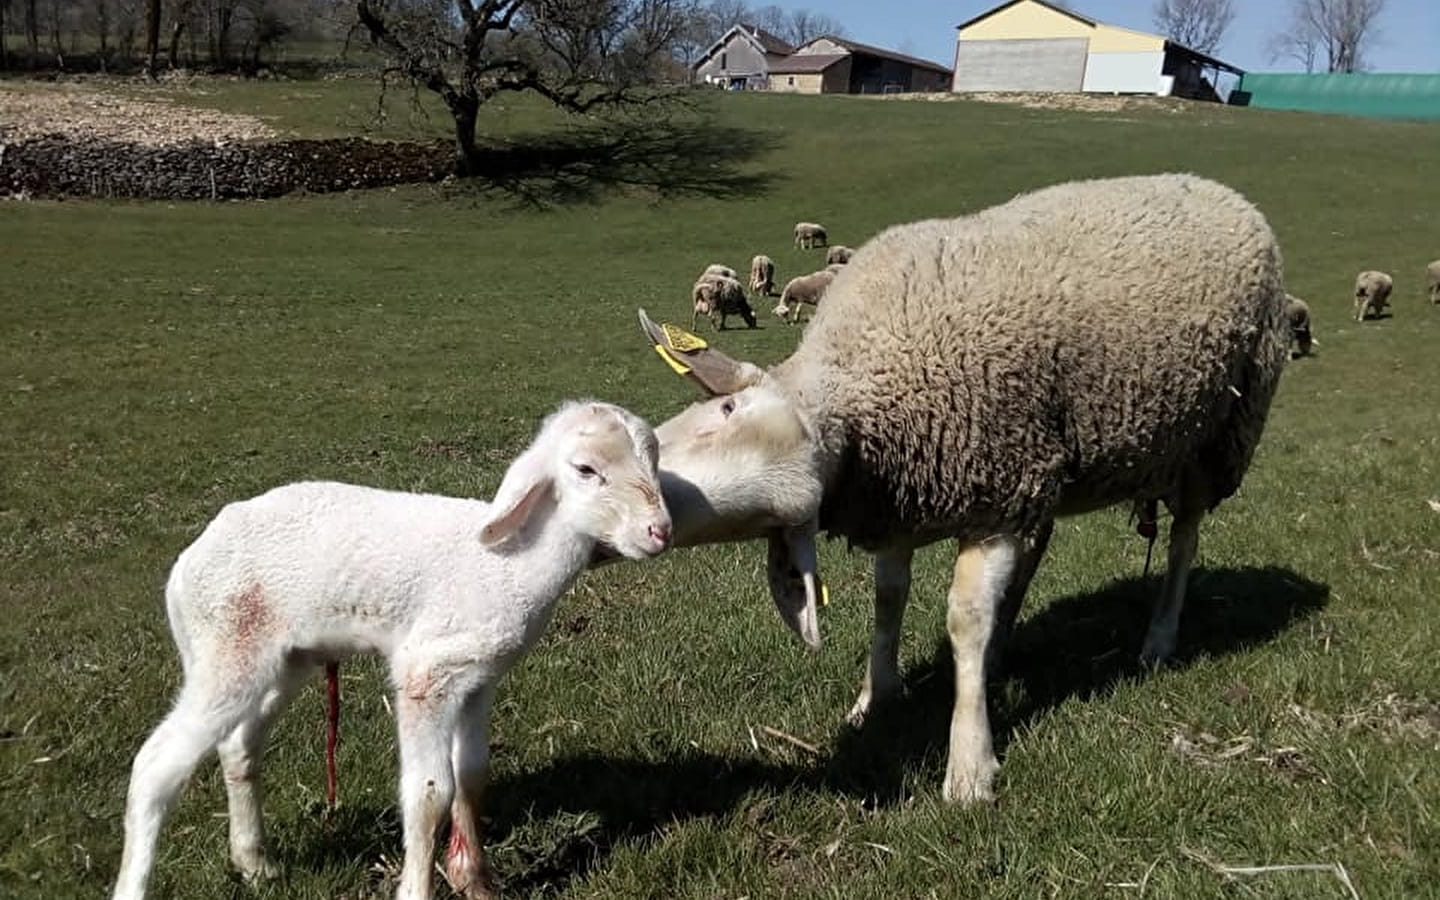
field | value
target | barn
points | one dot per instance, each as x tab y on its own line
1031	45
834	65
741	59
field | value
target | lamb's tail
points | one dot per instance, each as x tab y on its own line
332	731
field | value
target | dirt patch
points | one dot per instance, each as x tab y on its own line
1099	103
77	113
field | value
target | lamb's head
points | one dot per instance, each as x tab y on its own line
594	465
744	464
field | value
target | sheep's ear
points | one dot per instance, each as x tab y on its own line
795	580
524	486
691	357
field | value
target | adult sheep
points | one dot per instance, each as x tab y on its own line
717	296
762	275
809	234
801	291
951	387
1297	313
1372	293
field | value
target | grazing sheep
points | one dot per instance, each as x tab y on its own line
762	276
802	291
838	254
452	592
1432	279
809	234
916	409
718	269
1372	293
717	297
1297	313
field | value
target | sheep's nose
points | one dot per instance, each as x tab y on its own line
661	533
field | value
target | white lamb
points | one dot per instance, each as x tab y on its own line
452	592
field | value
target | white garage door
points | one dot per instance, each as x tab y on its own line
1051	64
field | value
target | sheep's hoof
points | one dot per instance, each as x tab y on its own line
968	788
261	868
1156	653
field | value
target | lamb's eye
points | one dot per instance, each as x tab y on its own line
586	471
727	408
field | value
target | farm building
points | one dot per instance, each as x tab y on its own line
1031	45
833	65
741	59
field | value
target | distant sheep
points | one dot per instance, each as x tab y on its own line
762	276
718	269
1432	278
1297	313
838	254
809	234
451	591
1372	293
802	291
717	296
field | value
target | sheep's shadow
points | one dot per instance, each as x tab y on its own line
1077	647
662	157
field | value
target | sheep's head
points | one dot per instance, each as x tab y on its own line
743	464
597	462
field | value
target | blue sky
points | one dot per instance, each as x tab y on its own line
1408	39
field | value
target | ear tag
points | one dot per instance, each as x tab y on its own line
682	340
824	594
679	367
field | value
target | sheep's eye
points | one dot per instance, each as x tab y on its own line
727	408
586	471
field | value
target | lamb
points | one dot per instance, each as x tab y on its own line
718	269
1297	313
717	296
838	254
762	276
1372	293
914	410
806	289
809	234
452	592
1432	279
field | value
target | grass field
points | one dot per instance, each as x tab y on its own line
158	360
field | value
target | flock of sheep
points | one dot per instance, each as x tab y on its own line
718	292
1372	297
909	413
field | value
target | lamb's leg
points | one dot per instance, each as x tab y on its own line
466	868
426	715
1034	549
1165	618
241	754
160	771
892	593
982	573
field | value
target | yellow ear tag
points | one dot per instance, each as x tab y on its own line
682	340
824	594
679	367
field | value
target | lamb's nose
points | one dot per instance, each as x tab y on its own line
661	533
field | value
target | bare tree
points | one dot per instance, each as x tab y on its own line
804	26
1336	30
1198	24
578	54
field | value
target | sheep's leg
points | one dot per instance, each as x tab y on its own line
427	714
241	754
160	771
466	868
1165	618
982	573
1015	591
892	593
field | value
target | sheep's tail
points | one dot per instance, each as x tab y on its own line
332	731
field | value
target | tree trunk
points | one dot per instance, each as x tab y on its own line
32	31
177	28
4	48
152	35
102	21
465	110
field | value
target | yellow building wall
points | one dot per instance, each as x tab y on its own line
1025	21
1110	39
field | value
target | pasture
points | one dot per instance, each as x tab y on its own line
160	360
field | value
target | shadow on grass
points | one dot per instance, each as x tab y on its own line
664	158
1078	647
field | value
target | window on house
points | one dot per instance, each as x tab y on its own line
723	64
790	80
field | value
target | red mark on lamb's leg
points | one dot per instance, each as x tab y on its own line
332	731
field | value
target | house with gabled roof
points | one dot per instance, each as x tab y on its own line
836	65
741	59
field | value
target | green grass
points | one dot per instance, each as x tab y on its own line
159	360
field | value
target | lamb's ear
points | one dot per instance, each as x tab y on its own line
524	486
795	580
691	357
